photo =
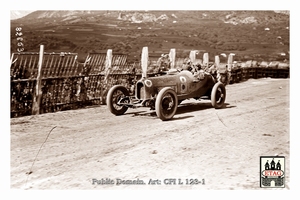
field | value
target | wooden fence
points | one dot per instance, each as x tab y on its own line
49	82
239	74
57	81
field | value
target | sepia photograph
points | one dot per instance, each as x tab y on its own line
154	98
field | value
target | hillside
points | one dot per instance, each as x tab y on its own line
260	35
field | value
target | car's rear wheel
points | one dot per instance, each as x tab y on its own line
114	95
166	103
218	95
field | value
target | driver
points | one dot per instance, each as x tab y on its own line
194	69
187	65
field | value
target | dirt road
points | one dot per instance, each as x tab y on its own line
93	149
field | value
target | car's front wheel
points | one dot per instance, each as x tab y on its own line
114	95
166	103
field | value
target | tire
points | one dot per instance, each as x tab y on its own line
113	96
166	104
218	95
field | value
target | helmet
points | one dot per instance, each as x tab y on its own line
186	64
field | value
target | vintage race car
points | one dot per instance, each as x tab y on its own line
164	93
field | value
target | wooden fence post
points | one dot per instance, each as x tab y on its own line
144	62
230	61
107	70
205	59
172	56
229	66
217	61
193	56
108	64
37	95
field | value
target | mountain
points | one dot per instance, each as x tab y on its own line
16	14
248	34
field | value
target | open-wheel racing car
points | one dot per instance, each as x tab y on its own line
164	93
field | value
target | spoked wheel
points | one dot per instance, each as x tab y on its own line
166	103
218	95
114	95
